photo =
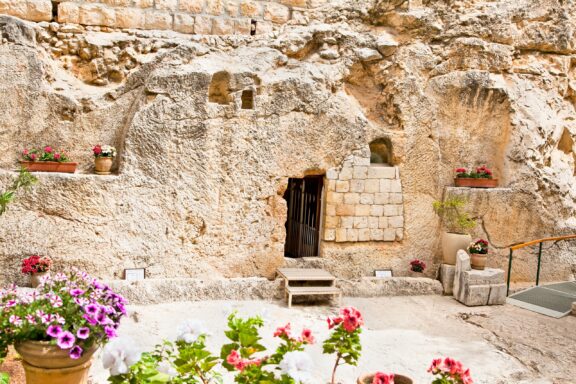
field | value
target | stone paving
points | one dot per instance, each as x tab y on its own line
500	344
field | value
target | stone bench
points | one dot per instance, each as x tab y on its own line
477	287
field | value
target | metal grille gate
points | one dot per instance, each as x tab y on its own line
304	197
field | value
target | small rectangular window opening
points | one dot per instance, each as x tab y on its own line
247	99
54	10
253	27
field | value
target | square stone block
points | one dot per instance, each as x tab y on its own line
395	198
352	234
331	221
376	234
250	8
373	222
360	222
389	234
367	198
475	295
203	26
381	172
68	12
346	221
330	235
485	276
345	210
396	221
399	234
376	210
372	186
331	185
357	186
345	173
332	174
191	6
351	198
360	172
276	13
497	294
362	210
381	198
342	186
364	234
395	186
341	235
183	23
331	197
390	210
384	185
330	209
382	222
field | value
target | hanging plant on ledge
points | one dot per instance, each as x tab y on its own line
481	178
47	160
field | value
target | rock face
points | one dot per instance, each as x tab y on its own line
209	129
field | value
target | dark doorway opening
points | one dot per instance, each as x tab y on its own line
304	197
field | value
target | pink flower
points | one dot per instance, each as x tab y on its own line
283	331
307	336
48	149
32	156
460	170
31	319
25	152
54	330
57	156
65	340
76	352
83	333
352	319
16	320
233	358
383	378
97	149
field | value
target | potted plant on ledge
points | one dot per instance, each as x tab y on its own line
37	267
417	268
481	178
457	223
103	158
47	160
57	328
478	251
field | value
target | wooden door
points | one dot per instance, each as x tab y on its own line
304	197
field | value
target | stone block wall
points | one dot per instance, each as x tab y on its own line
364	202
218	17
33	10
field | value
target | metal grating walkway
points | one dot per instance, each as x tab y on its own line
553	300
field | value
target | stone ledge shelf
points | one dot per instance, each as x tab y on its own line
457	190
64	175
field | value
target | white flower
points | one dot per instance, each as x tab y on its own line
167	368
189	331
299	366
119	355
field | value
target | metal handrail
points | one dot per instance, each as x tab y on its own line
527	244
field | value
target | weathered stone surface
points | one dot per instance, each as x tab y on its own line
447	273
199	186
477	287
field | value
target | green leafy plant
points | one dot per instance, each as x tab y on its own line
289	356
24	181
451	212
171	363
345	338
4	378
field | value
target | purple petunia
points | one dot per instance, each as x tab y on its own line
110	332
91	309
76	292
54	330
65	340
76	352
83	333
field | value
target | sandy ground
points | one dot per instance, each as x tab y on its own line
500	344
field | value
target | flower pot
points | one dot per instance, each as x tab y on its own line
398	379
49	166
451	244
478	260
103	165
415	274
35	278
45	363
475	183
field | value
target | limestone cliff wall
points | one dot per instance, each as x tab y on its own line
199	181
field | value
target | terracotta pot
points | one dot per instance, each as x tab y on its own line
475	183
103	165
41	354
46	364
35	278
49	166
451	244
398	379
478	260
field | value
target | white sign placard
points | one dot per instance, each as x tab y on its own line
382	273
134	274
